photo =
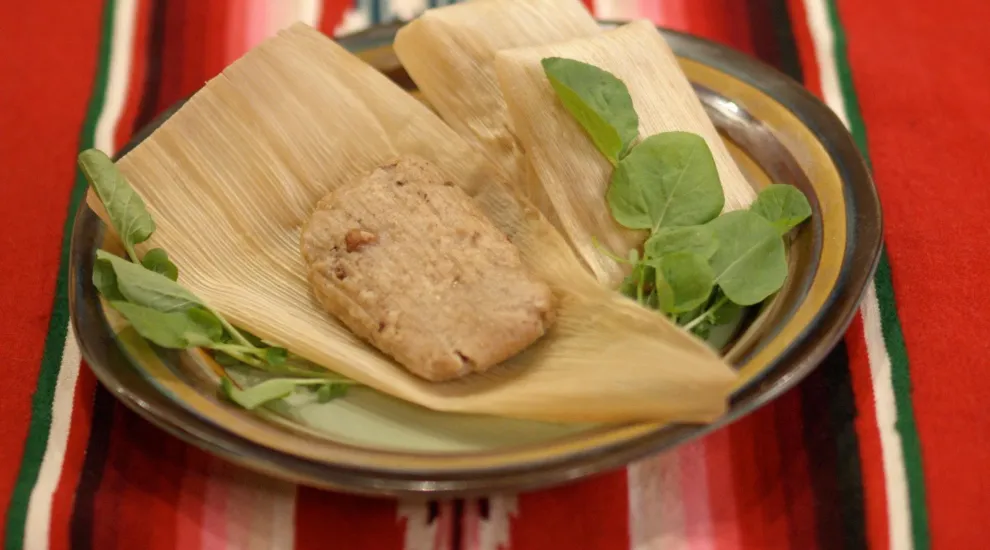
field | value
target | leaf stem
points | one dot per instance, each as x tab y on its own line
705	314
234	333
131	253
609	253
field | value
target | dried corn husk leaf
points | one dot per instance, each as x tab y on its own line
231	177
449	52
570	170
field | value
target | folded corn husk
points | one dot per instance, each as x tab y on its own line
232	175
450	53
570	170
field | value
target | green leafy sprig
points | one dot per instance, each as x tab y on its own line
697	266
146	292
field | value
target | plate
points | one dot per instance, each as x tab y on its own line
373	444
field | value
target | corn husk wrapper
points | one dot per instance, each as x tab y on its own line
570	170
449	52
231	177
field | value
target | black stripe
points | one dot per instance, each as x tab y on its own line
150	90
97	449
788	60
829	412
828	405
457	525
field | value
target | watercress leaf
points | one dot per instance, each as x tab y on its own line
127	212
157	260
105	281
669	179
699	239
726	313
628	286
750	263
329	392
147	288
269	390
684	281
177	330
784	206
276	355
208	322
599	102
225	360
702	330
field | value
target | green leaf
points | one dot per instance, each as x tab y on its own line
725	313
329	392
147	288
177	330
750	263
276	355
784	206
157	260
699	239
669	179
599	102
225	360
127	212
105	281
684	281
269	390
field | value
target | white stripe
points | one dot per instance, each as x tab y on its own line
310	12
282	496
656	511
892	453
821	34
420	533
895	476
37	527
122	49
494	532
39	513
616	9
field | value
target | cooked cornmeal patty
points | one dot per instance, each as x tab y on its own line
408	262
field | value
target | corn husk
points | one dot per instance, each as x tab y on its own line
231	177
449	52
570	170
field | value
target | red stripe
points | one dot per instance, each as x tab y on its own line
138	73
871	456
48	64
920	78
191	525
756	476
137	502
195	44
724	21
75	453
344	521
592	514
333	14
726	530
806	46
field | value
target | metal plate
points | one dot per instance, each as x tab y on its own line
776	130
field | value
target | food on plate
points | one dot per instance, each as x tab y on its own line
450	52
555	248
408	262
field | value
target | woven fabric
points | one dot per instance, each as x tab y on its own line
883	446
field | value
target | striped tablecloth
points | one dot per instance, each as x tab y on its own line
887	445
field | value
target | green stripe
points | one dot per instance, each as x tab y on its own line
51	361
890	324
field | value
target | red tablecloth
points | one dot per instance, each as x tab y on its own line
886	445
